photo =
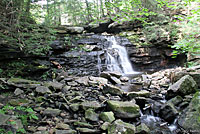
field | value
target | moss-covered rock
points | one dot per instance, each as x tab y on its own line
121	127
142	93
142	129
91	115
107	116
191	119
124	109
185	86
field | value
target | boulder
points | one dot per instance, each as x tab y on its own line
190	119
120	127
23	83
168	112
185	86
124	109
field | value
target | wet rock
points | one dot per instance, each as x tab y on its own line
42	128
107	116
124	109
113	90
189	119
66	131
185	86
87	130
116	74
18	91
91	115
142	93
196	77
42	90
51	112
90	104
115	80
168	112
142	129
121	127
105	75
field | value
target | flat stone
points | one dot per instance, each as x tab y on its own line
99	80
42	90
54	85
115	80
51	112
113	90
18	91
66	131
24	83
105	75
107	116
62	126
124	109
90	104
73	84
120	127
142	93
83	81
83	124
87	130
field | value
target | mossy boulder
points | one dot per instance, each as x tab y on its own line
24	83
124	109
190	119
91	115
185	86
121	127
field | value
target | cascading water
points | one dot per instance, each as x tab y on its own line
117	58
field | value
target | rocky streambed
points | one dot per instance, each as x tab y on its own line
165	102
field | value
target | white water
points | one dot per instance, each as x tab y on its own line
117	58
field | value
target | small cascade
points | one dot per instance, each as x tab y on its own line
117	58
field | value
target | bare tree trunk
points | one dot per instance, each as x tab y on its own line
88	11
102	8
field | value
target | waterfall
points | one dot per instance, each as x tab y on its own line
117	58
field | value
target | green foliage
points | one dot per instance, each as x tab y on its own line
189	39
23	113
